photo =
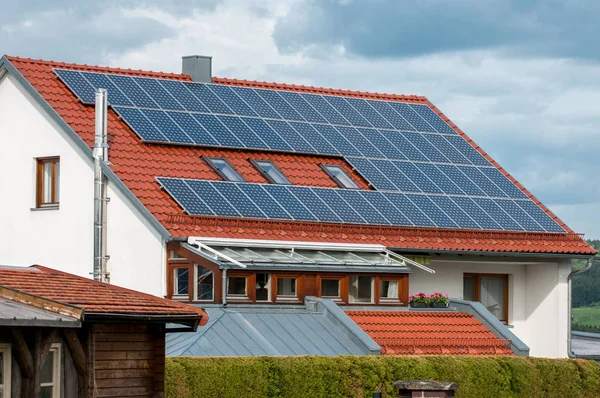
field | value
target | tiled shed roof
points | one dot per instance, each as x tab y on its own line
429	333
137	164
94	297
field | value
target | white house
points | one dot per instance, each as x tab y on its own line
351	196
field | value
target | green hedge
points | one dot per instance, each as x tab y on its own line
360	376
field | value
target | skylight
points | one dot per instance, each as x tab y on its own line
340	177
271	172
225	170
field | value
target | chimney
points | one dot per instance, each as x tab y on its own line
199	67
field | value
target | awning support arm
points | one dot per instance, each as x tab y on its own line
218	253
405	261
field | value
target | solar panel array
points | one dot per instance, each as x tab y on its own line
285	202
424	172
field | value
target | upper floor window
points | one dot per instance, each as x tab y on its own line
340	177
270	172
48	182
225	170
491	290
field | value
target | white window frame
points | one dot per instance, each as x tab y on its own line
7	360
56	349
176	280
267	286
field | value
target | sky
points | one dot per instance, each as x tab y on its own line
520	77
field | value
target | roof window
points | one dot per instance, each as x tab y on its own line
225	170
340	177
268	169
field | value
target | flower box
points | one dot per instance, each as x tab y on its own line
416	304
438	305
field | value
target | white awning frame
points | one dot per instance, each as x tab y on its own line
205	244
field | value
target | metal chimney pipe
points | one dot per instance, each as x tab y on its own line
100	153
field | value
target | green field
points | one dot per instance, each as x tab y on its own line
586	316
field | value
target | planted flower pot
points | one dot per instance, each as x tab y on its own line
438	305
418	305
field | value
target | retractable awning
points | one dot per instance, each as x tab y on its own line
301	256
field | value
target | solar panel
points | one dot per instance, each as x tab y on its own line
440	179
199	197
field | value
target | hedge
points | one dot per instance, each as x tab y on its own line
360	376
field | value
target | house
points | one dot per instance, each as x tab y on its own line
241	194
58	340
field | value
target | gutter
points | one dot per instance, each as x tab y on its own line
570	352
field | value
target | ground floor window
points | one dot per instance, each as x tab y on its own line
360	289
5	361
263	287
286	288
181	281
389	291
204	284
491	290
50	375
236	286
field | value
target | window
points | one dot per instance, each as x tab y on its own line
181	281
270	172
330	288
48	182
334	287
287	288
340	177
361	289
263	287
490	290
50	375
204	284
222	167
5	361
388	291
236	286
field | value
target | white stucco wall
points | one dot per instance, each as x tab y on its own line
537	290
63	238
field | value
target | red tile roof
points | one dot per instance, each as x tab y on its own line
94	297
429	333
137	164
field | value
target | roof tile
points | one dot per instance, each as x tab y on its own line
429	333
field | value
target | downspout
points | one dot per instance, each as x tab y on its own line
100	154
570	352
224	287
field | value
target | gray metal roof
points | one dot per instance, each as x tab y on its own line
319	328
585	344
13	313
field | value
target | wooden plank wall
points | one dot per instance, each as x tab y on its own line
129	360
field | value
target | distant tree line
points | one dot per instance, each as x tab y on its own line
586	286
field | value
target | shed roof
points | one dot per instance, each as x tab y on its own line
95	298
274	331
137	164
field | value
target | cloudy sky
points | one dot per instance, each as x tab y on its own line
521	77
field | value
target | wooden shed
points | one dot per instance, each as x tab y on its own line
62	335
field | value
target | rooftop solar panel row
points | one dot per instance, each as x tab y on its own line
201	97
219	198
417	177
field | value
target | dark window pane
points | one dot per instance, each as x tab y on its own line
469	288
204	283
330	288
181	281
262	287
48	368
236	285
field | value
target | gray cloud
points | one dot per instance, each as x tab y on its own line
390	28
85	31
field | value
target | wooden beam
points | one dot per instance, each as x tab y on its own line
77	351
22	354
46	343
